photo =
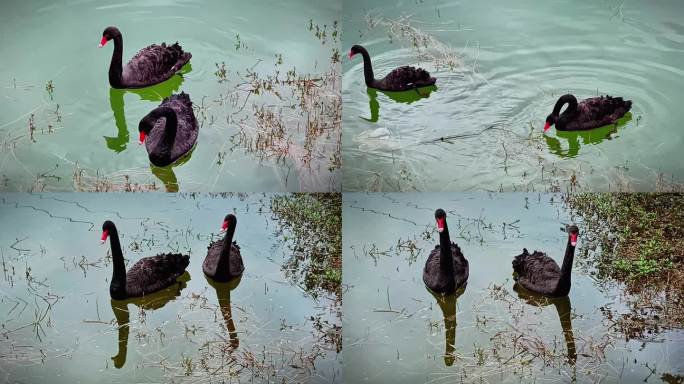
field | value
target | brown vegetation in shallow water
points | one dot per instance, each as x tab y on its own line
637	239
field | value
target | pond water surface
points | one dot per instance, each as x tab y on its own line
396	331
59	325
509	65
82	126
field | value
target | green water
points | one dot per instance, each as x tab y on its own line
396	331
83	125
59	325
513	62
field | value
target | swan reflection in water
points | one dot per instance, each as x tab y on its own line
157	92
590	137
152	301
564	310
223	294
447	303
406	97
166	174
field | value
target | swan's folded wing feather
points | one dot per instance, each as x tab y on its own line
152	63
153	273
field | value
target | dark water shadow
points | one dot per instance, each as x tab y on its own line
564	310
223	295
406	97
152	301
166	174
591	137
157	92
447	303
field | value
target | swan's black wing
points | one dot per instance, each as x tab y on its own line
434	277
151	274
406	78
187	129
599	111
461	267
211	261
154	64
440	281
536	272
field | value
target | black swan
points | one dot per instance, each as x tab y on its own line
400	79
538	272
223	294
169	139
223	261
148	275
564	310
151	65
152	301
446	270
588	114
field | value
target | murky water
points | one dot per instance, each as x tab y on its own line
83	126
58	323
513	62
397	331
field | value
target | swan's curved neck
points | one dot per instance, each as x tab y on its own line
171	123
563	287
117	287
367	68
116	65
223	268
445	254
170	128
566	99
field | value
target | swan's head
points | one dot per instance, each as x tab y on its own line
354	50
440	217
144	127
550	120
107	228
108	34
230	221
573	232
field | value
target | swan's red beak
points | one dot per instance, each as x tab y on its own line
142	137
103	42
573	239
224	226
351	54
440	224
105	235
547	126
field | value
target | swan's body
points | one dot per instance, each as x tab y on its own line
170	138
151	65
588	114
400	79
148	275
223	261
446	269
539	273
